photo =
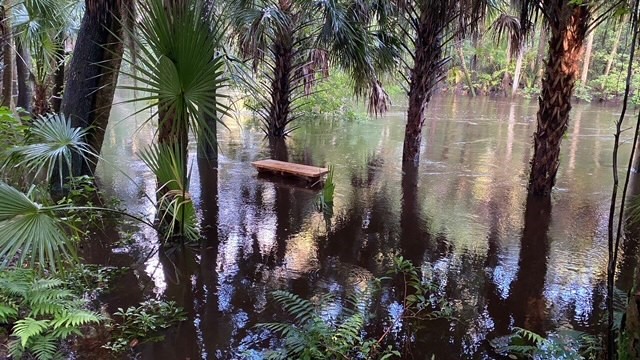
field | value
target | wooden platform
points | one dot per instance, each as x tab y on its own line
309	173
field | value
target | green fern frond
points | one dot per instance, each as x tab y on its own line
302	310
29	327
8	312
75	319
45	347
531	336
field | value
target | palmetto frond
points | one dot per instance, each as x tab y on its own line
51	145
30	233
174	201
177	65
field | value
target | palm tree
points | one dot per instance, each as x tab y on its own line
292	42
178	66
569	23
41	28
426	27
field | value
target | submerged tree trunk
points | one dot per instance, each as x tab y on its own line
93	73
586	61
423	78
565	51
23	70
280	107
7	58
58	82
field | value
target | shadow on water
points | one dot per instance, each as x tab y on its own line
463	218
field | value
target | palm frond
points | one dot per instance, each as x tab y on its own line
51	145
30	232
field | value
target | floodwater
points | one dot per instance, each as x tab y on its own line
463	218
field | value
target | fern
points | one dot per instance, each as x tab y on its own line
51	313
29	327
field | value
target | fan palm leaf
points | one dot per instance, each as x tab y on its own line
178	67
52	143
30	233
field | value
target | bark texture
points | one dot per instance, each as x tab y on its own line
93	73
23	70
562	68
281	88
424	75
7	58
58	83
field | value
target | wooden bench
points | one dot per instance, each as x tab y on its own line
306	172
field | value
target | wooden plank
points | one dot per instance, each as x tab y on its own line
305	171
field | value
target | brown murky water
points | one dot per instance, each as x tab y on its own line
463	218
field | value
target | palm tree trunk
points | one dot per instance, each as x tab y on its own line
23	70
90	88
586	62
7	58
280	107
565	51
423	78
58	82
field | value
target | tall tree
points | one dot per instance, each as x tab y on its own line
426	26
291	43
93	70
569	23
7	55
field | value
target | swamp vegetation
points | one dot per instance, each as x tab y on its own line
481	200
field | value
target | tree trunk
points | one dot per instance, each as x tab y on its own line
7	58
41	105
58	82
90	88
23	70
208	144
467	76
423	78
542	47
517	73
614	51
586	62
280	107
565	51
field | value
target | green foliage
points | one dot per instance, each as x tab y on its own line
88	279
420	296
177	66
332	97
42	313
143	323
50	145
31	233
176	210
310	336
324	203
564	344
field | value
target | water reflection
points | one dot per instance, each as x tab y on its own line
463	217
